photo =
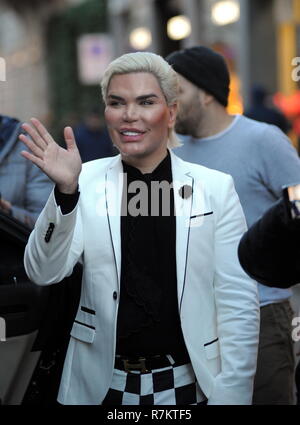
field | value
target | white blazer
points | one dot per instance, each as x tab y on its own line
217	301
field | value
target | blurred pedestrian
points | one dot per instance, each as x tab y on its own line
261	160
24	188
167	315
261	110
92	138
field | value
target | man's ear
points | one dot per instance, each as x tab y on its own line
173	113
207	98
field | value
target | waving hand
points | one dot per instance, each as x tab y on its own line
62	166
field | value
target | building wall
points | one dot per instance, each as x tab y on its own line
24	93
22	45
262	38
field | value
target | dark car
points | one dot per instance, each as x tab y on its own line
35	324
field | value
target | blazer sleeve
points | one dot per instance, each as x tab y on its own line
237	305
269	251
55	245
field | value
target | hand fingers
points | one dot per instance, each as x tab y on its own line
42	130
69	138
37	161
36	150
42	144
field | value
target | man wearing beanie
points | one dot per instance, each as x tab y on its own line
261	160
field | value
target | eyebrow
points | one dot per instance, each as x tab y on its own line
146	96
142	97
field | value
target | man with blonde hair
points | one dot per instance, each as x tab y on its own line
166	315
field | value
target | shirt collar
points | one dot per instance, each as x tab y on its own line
163	171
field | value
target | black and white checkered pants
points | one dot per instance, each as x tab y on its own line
172	385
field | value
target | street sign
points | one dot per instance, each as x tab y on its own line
95	52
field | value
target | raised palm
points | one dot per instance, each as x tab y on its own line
61	165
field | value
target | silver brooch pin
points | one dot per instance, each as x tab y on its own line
185	191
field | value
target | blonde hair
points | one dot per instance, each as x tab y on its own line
154	64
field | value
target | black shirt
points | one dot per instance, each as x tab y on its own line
148	315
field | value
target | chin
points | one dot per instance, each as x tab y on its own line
132	150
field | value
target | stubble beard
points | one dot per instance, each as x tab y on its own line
181	126
187	123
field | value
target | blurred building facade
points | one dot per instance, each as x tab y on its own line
38	40
259	42
39	47
24	93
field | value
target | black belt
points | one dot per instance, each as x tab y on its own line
147	364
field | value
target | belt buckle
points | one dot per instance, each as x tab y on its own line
139	365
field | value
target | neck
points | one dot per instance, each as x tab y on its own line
215	121
145	164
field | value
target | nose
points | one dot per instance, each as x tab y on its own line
130	113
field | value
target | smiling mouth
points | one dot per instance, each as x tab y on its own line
132	133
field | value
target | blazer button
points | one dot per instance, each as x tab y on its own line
49	232
115	295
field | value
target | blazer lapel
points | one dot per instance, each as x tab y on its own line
183	210
113	194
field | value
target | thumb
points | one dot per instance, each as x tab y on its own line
69	138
